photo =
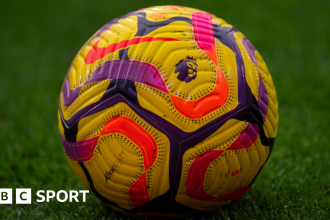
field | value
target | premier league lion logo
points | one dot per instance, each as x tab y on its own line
187	69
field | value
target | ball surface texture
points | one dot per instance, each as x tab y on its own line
168	111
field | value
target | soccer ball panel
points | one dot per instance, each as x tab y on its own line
189	102
221	168
251	70
260	82
123	155
271	118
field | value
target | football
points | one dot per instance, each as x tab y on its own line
168	111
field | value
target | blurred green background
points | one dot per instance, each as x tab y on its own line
39	39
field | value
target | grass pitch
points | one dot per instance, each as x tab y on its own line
39	40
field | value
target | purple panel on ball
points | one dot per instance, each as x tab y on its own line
263	98
262	94
80	151
137	71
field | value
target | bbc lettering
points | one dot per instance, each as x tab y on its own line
24	195
6	196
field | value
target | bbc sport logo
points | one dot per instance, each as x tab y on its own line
24	195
